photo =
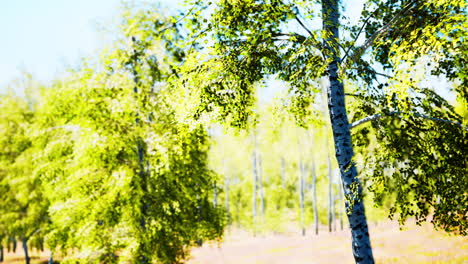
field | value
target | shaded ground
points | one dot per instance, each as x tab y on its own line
414	244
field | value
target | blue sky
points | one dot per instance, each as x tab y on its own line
43	37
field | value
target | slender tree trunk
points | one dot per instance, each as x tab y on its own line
26	252
14	245
301	195
199	213
226	187
301	182
333	200
255	188
314	188
330	195
283	172
361	245
260	181
1	253
215	195
238	205
314	197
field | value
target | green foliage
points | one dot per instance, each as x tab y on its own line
114	162
126	181
419	160
24	207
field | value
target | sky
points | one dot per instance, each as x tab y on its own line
44	37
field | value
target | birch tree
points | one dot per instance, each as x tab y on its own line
252	40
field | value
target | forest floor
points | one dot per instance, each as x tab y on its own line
412	244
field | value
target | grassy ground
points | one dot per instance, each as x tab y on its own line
18	258
414	244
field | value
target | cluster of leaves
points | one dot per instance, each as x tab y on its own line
250	43
416	161
24	207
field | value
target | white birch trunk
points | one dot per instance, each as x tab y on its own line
361	245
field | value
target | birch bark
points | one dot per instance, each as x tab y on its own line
361	246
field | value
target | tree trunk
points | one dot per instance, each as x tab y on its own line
314	197
334	208
314	189
255	187
228	213
238	207
361	246
215	195
14	245
199	213
26	252
1	253
301	195
260	181
330	194
301	183
283	172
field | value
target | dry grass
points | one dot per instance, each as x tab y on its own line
414	244
18	258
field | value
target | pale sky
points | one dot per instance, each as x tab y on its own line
44	37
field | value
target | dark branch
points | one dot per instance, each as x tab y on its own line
369	42
378	116
180	19
358	34
302	25
355	95
317	44
383	74
299	37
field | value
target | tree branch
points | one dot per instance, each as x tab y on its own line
355	95
177	21
382	74
317	44
302	25
378	116
369	42
359	33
